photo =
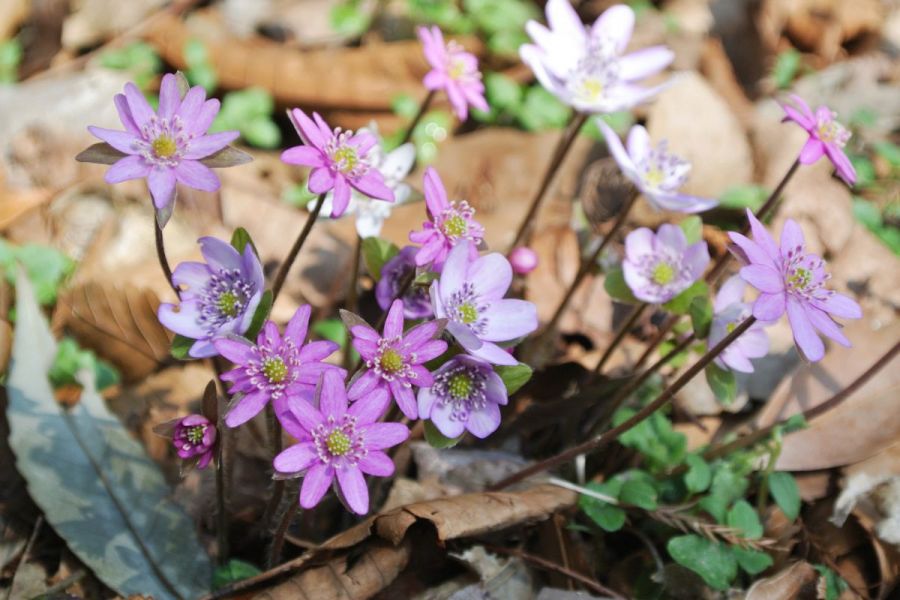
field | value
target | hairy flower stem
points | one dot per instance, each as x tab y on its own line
423	108
221	440
623	330
295	250
587	265
161	255
610	436
274	433
278	540
559	154
352	296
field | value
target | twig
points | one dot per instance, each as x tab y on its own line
351	294
283	525
295	249
161	256
623	330
423	108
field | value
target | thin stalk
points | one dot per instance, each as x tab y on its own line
423	108
658	339
161	255
607	438
221	442
278	540
352	294
623	330
295	250
588	264
274	432
559	154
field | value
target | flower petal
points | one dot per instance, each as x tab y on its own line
645	62
378	436
161	182
341	196
308	130
182	319
205	145
376	463
297	458
769	307
372	185
805	336
363	384
484	421
298	325
509	319
812	151
353	488
764	278
138	105
130	167
839	305
169	98
826	325
237	350
442	416
763	239
435	193
332	395
122	141
219	255
405	399
315	484
616	24
371	407
491	276
308	156
196	175
494	354
246	408
455	269
393	324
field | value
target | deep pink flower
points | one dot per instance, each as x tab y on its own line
339	160
339	444
792	281
165	146
827	137
194	439
453	70
395	361
524	260
451	222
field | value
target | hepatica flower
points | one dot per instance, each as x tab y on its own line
453	70
193	437
729	311
340	160
658	267
586	68
466	395
394	360
450	224
339	444
416	301
827	137
275	367
470	295
218	297
167	146
656	173
793	281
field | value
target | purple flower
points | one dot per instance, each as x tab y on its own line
586	68
165	146
193	437
729	311
395	360
275	367
827	137
453	70
470	295
466	395
658	267
339	160
217	298
339	443
524	260
451	223
416	302
792	281
656	173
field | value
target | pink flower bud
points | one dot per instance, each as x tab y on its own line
523	260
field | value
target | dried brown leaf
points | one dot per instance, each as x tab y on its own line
784	585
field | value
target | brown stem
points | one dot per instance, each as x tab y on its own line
274	432
423	108
658	339
295	250
559	154
623	330
351	295
161	255
607	438
278	540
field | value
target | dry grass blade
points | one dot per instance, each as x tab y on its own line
674	517
119	323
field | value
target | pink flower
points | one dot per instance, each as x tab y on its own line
339	444
453	70
792	281
729	311
451	223
339	160
827	137
658	267
524	260
193	437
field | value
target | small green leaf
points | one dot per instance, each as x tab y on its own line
615	285
701	312
262	132
180	347
713	561
693	228
607	516
784	490
239	240
502	92
699	475
722	382
740	197
514	376
438	440
47	268
834	584
376	252
260	316
348	18
752	561
743	517
233	571
404	106
865	171
787	66
889	152
638	493
681	303
542	110
331	329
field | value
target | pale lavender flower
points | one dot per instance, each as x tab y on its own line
524	260
273	368
729	311
450	224
167	146
466	395
827	137
793	281
587	68
218	297
395	361
470	295
340	160
337	444
657	173
658	267
416	301
193	437
453	70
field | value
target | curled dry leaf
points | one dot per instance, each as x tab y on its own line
784	585
119	323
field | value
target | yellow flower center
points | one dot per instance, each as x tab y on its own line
455	226
391	361
654	177
228	304
457	69
593	88
730	327
274	369
460	385
800	279
164	146
195	434
346	158
467	312
338	443
663	273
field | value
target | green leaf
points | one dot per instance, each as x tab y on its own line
727	486
784	490
834	584
233	571
889	152
71	360
181	345
438	440
348	18
542	110
638	493
615	285
404	106
743	518
699	475
787	65
261	132
92	480
239	240
681	303
713	561
514	376
47	268
376	252
693	228
865	171
331	329
740	197
752	561
701	312
260	316
607	516
722	382
502	92
654	438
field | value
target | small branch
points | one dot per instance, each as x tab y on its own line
274	434
423	108
161	256
278	540
351	294
623	330
295	250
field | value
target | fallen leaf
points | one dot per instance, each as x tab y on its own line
787	584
